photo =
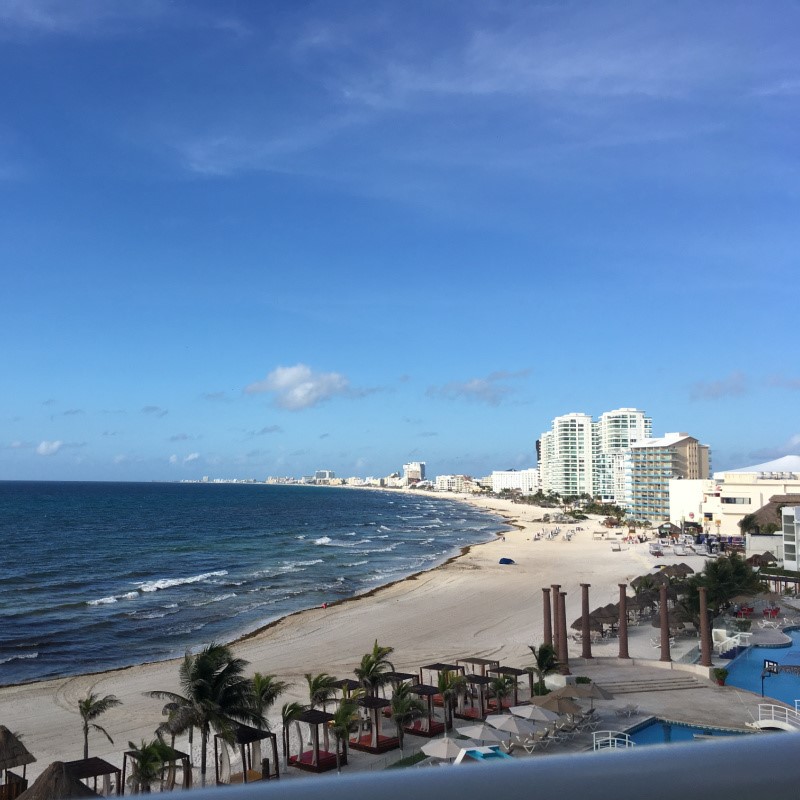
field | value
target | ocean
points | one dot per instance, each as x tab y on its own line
95	576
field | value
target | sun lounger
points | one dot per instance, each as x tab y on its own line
629	710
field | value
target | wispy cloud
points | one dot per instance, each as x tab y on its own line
734	385
492	389
49	448
299	387
180	437
73	412
155	411
216	397
266	430
176	459
786	87
784	382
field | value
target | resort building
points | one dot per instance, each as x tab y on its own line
722	503
612	436
413	472
791	537
566	456
579	455
525	481
651	464
461	484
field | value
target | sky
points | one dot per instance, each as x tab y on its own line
253	238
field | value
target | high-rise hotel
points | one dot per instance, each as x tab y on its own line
578	455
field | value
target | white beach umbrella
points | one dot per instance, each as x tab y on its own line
482	733
511	724
534	713
446	747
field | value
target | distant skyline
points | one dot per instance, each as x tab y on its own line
247	239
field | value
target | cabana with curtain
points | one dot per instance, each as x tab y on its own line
257	765
315	759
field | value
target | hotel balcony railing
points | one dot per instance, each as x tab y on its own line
758	765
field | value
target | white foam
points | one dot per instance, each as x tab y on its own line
167	583
21	657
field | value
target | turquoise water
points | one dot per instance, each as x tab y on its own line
745	670
661	731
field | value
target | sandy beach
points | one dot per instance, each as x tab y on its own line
470	606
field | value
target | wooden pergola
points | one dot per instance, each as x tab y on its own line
169	771
90	769
509	672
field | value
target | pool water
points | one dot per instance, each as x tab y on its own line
745	670
662	731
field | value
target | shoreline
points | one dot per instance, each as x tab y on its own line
468	605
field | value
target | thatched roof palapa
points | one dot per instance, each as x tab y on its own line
12	752
56	782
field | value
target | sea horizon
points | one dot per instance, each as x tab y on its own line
134	572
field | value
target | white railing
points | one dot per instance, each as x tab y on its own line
772	713
611	740
657	773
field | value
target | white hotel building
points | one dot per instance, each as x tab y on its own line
580	455
525	481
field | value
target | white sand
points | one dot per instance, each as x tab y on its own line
471	606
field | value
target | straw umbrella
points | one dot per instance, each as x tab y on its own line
55	783
12	752
561	705
590	690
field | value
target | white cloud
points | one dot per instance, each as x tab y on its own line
49	448
121	459
173	459
191	457
298	387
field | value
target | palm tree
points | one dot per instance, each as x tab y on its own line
371	673
501	687
344	721
289	714
321	688
723	578
147	763
215	695
90	708
405	709
546	664
452	686
266	690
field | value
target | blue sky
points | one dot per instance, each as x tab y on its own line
262	238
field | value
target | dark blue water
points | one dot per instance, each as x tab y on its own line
101	575
745	670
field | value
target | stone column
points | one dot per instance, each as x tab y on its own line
705	629
623	621
556	588
548	621
665	656
586	640
563	654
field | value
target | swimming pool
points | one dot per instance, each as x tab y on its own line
664	731
745	670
